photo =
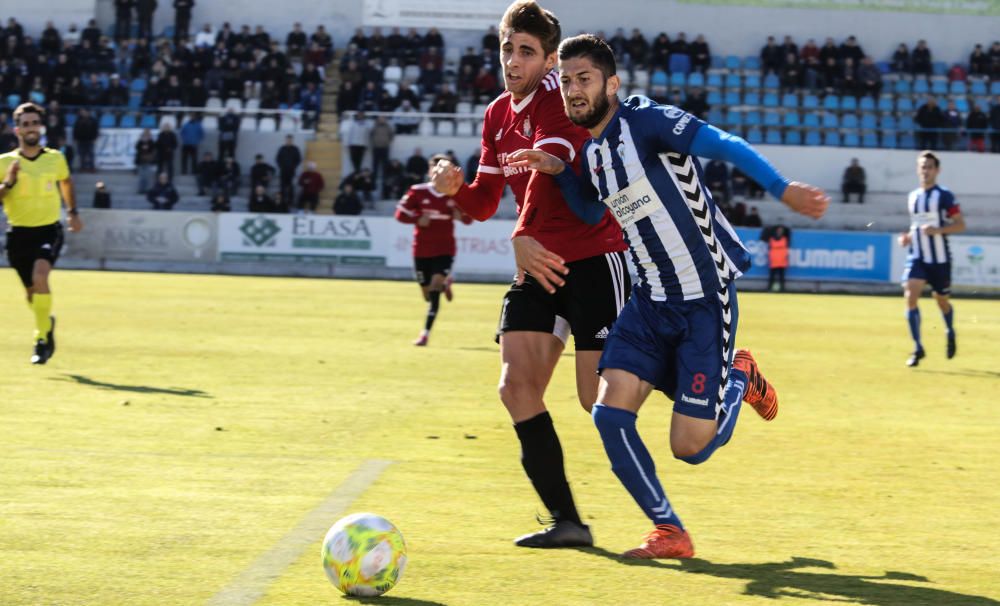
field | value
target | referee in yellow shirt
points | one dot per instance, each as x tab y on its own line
33	178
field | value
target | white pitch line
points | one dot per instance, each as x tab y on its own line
251	584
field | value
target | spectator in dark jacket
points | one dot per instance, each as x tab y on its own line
102	197
976	124
207	173
288	159
145	160
229	176
85	133
995	126
929	118
261	173
348	202
163	195
166	149
920	59
260	202
220	203
229	127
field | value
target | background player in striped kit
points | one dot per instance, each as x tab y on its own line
433	216
934	215
677	332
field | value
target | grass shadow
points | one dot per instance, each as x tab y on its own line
788	579
170	391
390	600
984	374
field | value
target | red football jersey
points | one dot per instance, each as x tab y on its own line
438	238
537	122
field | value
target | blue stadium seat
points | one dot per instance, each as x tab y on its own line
696	79
869	140
868	121
902	87
128	121
848	103
921	86
962	105
732	98
714	98
852	140
70	119
813	138
718	62
679	63
791	119
831	139
107	120
714	81
889	140
811	120
678	79
148	121
751	63
906	123
751	118
770	100
885	103
751	99
907	142
995	87
940	87
849	121
733	81
810	102
37	96
772	119
732	62
793	137
831	102
715	116
137	85
830	120
940	68
905	104
790	101
979	87
755	136
884	67
957	87
771	82
889	122
13	100
659	78
867	104
773	137
752	81
733	118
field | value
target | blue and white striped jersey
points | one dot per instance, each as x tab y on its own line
935	207
681	244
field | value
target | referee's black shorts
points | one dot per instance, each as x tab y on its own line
595	291
25	245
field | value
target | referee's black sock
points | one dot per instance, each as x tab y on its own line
434	297
542	458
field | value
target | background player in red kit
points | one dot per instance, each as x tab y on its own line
434	215
590	283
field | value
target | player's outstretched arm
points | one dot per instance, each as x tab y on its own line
73	220
710	142
479	200
9	178
579	195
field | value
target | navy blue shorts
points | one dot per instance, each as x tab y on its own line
938	275
684	349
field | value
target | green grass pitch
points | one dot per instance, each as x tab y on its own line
188	425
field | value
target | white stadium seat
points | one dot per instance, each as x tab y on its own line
267	125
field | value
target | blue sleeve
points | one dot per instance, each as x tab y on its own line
580	195
710	142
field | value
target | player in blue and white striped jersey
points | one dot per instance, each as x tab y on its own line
934	215
676	333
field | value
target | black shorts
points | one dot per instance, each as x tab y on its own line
596	289
426	267
25	245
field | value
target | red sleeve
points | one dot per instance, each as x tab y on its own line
554	133
406	210
481	199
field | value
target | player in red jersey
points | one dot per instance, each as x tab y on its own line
590	282
433	215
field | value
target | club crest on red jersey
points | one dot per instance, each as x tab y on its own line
526	127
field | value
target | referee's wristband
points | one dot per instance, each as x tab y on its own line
73	211
7	185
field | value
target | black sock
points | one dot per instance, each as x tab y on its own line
432	311
542	458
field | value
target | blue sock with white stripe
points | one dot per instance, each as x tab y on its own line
949	318
732	402
632	464
913	317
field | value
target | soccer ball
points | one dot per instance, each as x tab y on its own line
364	555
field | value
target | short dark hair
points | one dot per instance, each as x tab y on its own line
527	17
28	108
930	156
437	158
590	47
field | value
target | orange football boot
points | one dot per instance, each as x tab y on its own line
664	541
759	393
